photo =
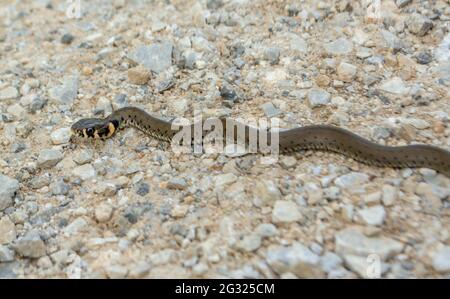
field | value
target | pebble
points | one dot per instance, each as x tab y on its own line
7	230
61	136
103	212
441	260
116	271
37	103
83	156
352	241
285	211
272	54
424	58
266	230
250	243
30	245
392	41
156	57
288	162
266	192
372	198
270	110
402	3
8	189
330	261
373	215
59	188
84	172
346	72
75	226
390	194
340	46
67	39
418	24
143	189
351	180
140	270
6	254
66	92
9	93
138	75
318	97
394	85
297	259
177	184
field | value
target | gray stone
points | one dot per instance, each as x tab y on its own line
49	158
346	72
67	38
390	194
60	136
266	192
83	156
143	189
6	254
351	179
156	57
270	110
441	260
8	188
424	58
285	211
250	243
84	172
59	188
392	41
266	230
9	93
394	85
30	245
318	97
340	46
7	230
297	259
418	24
176	183
373	215
402	3
75	226
66	92
272	54
330	261
351	241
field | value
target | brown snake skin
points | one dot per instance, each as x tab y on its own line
317	137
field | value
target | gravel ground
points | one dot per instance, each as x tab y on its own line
129	207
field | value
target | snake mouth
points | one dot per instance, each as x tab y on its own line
94	128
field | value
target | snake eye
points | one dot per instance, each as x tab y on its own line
90	132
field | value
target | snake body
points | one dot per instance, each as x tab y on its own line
315	137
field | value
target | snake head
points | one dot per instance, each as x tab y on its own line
95	128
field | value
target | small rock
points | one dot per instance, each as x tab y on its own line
179	211
318	97
140	270
323	80
9	93
60	136
6	255
418	24
402	3
441	260
285	211
346	72
352	241
59	188
37	103
288	162
270	110
272	54
8	189
67	38
138	75
266	192
30	245
390	194
297	259
394	85
424	58
84	172
7	230
392	41
143	189
66	92
116	271
330	261
372	198
266	230
250	243
340	46
103	212
156	58
75	226
374	215
351	179
177	184
83	156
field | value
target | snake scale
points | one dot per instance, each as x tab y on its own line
315	137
